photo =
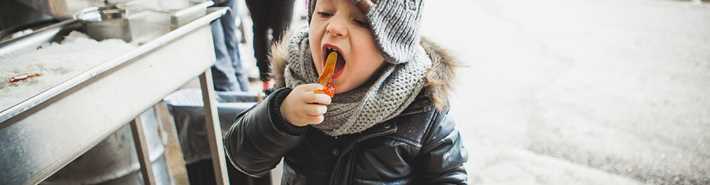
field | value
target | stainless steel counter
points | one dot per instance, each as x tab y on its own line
44	133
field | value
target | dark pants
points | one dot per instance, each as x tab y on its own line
228	72
268	14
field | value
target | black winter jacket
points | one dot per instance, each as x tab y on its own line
420	146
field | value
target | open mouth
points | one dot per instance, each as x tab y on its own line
340	64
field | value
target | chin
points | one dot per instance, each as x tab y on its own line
341	88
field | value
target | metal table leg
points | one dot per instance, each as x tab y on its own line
214	130
142	148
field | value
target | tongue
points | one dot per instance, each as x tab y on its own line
339	66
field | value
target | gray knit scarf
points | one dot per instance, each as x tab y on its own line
384	96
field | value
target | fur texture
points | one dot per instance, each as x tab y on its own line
439	79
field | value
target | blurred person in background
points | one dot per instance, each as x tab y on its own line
273	15
228	72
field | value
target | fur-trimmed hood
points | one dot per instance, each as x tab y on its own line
439	79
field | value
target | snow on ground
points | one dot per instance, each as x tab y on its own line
580	91
56	62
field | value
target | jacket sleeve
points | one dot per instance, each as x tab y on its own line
442	157
259	137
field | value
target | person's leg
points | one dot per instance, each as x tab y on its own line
281	20
229	27
259	15
222	71
278	19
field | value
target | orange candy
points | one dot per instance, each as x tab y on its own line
326	78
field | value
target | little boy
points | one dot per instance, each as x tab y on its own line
388	122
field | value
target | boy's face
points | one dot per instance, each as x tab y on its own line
339	25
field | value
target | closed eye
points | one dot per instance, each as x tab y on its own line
324	14
361	22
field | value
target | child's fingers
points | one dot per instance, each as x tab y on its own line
310	107
314	120
304	120
315	109
317	98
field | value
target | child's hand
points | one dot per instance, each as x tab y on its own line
304	107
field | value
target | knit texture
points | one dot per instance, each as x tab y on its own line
395	25
388	92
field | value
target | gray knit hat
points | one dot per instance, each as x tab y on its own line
395	24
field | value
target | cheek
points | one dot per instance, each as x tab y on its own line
361	71
367	60
367	47
369	55
369	67
316	58
314	45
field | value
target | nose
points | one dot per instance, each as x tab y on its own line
337	28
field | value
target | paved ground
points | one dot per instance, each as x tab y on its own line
577	91
580	91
